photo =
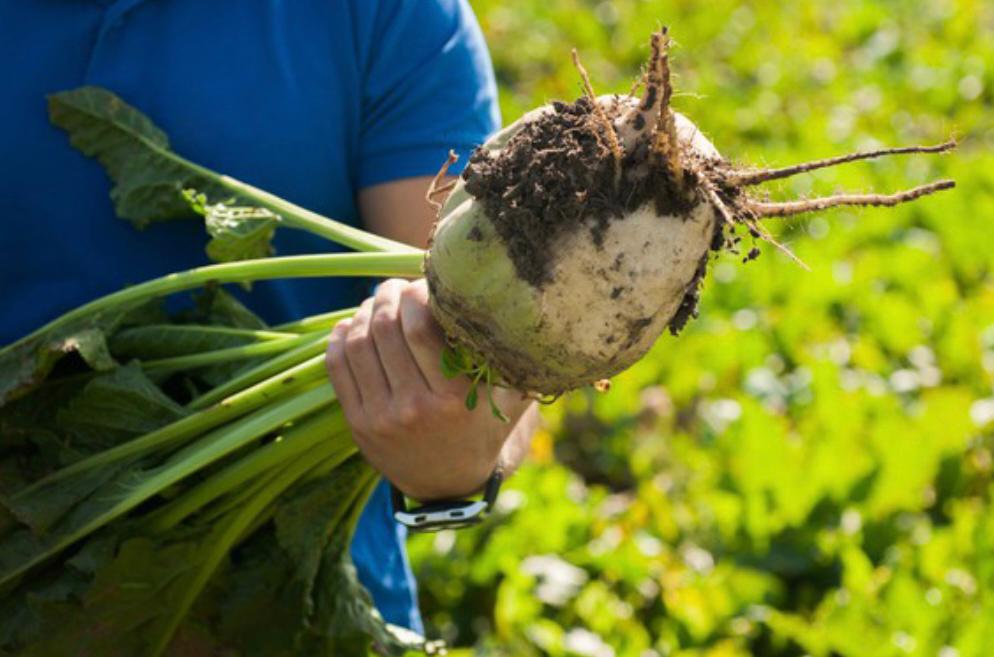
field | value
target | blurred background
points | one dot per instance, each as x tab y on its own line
807	469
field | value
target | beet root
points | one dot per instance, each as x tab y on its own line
582	231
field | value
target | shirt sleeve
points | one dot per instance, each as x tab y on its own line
428	87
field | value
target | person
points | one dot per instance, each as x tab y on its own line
346	107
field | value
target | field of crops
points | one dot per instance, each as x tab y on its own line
807	469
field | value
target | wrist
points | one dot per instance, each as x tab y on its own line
463	486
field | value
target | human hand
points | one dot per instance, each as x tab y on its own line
407	418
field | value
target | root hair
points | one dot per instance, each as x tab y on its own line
790	208
757	176
609	133
437	188
665	139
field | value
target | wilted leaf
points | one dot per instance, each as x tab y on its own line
169	340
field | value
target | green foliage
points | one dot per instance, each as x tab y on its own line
237	233
807	469
456	361
129	492
26	364
148	176
153	183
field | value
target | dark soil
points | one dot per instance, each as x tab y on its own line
555	176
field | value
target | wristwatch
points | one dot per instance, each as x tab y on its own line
446	514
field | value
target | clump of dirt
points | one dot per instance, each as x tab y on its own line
557	176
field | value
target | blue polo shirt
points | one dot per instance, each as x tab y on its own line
312	100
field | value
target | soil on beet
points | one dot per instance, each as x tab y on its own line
557	176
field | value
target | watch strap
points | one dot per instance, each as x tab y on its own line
447	514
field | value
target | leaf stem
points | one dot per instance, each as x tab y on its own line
324	432
298	217
223	537
306	266
303	361
314	322
138	487
228	354
176	432
258	335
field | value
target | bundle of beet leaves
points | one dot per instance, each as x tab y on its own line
184	484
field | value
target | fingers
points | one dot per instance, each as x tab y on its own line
425	338
385	362
341	376
402	371
348	390
364	360
382	363
371	364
